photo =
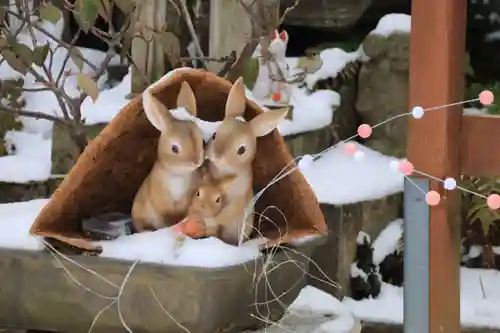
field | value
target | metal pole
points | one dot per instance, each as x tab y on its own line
416	256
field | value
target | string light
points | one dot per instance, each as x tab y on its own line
432	198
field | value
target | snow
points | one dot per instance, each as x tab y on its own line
16	220
355	272
388	240
161	246
362	237
311	111
339	179
31	160
334	61
208	128
476	309
314	311
109	102
392	24
492	36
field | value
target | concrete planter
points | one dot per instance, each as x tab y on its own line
38	294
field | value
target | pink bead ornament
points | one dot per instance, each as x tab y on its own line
432	198
406	167
493	201
364	131
350	148
486	97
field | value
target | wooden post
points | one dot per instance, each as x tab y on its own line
149	57
436	78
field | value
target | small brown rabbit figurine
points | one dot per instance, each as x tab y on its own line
206	204
231	152
165	194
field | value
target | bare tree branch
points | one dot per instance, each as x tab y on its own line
33	114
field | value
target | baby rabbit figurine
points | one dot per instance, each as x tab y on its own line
230	152
206	204
164	196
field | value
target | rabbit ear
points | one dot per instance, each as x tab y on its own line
265	122
274	34
236	100
186	98
284	36
158	114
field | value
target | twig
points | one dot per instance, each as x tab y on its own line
227	66
288	10
33	114
168	313
219	59
54	38
192	31
68	56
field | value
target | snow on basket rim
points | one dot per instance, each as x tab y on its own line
157	247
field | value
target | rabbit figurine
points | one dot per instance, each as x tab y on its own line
266	85
164	196
205	205
230	152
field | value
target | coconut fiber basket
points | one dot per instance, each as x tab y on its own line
38	293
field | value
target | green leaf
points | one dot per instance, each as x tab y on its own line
77	57
126	6
14	61
250	72
86	13
104	8
3	43
51	13
126	43
40	53
310	64
3	14
23	52
88	86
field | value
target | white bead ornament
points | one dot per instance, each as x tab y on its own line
359	155
417	112
450	184
394	165
305	162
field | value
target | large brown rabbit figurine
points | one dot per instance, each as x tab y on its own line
165	194
231	152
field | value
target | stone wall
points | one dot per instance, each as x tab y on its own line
334	258
383	91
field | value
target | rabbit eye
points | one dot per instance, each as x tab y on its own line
218	200
213	136
198	193
175	149
241	150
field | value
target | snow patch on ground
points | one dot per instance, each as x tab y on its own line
476	309
31	160
314	311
